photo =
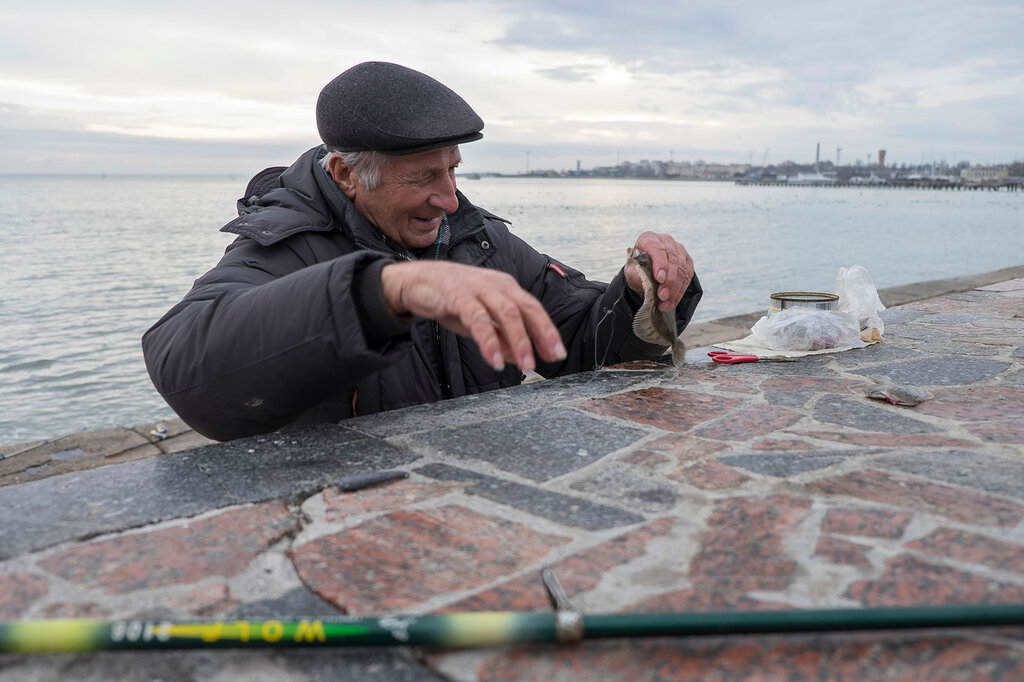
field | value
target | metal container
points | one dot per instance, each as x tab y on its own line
802	299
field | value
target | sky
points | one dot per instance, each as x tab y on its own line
230	87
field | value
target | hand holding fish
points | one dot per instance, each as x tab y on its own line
671	265
655	320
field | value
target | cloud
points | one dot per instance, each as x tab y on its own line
721	80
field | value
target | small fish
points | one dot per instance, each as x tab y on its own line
649	323
897	394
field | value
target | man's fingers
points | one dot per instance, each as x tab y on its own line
543	332
505	320
504	309
522	324
672	266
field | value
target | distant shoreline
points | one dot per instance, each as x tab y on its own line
1009	185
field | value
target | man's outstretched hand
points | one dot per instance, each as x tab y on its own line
505	320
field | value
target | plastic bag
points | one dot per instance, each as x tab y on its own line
806	329
859	298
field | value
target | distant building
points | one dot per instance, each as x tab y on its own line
984	173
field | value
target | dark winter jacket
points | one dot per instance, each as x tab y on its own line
291	326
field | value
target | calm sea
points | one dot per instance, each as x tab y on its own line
89	263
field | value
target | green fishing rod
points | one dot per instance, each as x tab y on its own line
477	629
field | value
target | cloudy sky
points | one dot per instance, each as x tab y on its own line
229	87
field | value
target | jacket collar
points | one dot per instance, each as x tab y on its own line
280	202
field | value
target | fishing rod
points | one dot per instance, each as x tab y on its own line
476	629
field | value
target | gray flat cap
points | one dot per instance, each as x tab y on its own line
384	107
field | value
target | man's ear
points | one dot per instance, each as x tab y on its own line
343	174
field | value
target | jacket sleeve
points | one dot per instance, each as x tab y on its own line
261	338
595	318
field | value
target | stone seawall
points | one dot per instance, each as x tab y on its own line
769	486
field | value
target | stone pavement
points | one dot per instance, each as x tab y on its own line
774	485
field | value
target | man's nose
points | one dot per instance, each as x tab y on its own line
444	195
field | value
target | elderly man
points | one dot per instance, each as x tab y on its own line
363	281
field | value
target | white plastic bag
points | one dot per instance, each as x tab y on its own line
806	329
859	298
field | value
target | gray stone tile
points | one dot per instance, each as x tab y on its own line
557	507
287	465
893	316
290	464
867	415
783	464
538	445
944	370
1019	352
485	406
630	490
937	341
949	318
918	332
879	352
962	467
299	602
972	296
788	398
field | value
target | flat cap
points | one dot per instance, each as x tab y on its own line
388	108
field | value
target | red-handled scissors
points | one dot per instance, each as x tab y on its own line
727	358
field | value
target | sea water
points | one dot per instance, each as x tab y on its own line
90	262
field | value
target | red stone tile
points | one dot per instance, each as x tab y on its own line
845	657
220	545
742	548
976	403
578	573
702	600
406	557
922	495
843	552
989	323
710	476
206	600
723	379
909	581
886	439
743	425
683	449
1008	340
384	498
999	431
874	523
669	409
645	458
18	591
972	548
1009	285
936	305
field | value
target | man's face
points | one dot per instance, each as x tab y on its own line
414	191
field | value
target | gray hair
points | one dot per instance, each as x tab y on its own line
368	165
